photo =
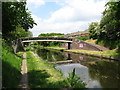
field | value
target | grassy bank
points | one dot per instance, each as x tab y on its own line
11	67
106	53
111	54
58	48
42	74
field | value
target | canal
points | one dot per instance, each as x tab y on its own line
95	72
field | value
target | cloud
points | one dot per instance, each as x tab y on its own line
75	15
64	27
78	10
35	3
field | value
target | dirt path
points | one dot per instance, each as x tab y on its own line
24	79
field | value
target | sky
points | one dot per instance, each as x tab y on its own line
64	16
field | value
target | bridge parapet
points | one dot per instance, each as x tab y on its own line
45	38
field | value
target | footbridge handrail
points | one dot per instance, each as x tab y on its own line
45	38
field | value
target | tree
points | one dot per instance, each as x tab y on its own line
13	15
19	32
50	35
107	32
110	23
93	30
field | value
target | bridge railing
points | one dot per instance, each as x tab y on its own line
45	38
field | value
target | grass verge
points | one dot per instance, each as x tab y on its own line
11	67
58	48
42	74
97	53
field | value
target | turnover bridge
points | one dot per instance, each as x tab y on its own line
68	43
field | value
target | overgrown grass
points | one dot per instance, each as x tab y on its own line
11	67
42	74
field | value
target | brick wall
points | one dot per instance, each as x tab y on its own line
79	44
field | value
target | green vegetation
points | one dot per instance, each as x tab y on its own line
50	35
107	53
20	32
11	67
74	81
84	38
93	30
56	47
42	74
107	32
16	19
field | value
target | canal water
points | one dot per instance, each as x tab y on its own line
95	72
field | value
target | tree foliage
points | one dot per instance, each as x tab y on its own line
15	14
50	34
93	30
20	32
108	31
110	23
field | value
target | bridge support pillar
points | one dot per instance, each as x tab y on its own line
69	45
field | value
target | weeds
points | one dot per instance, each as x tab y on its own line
74	81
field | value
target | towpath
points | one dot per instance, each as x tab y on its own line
24	79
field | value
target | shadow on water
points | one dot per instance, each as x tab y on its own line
10	76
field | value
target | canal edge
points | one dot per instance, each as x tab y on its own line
95	55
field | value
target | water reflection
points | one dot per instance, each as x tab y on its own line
94	71
106	72
51	55
81	71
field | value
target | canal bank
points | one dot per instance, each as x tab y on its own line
110	54
42	74
99	54
91	70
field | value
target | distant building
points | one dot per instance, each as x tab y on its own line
77	34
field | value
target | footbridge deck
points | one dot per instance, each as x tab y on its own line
58	39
